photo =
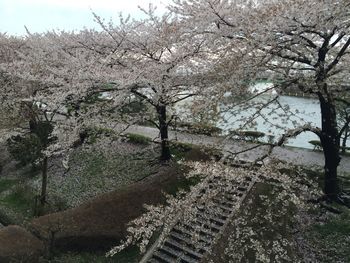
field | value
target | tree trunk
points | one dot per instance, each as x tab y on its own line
330	143
346	135
163	128
43	183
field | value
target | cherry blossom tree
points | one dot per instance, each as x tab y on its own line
38	90
308	42
297	44
157	61
11	88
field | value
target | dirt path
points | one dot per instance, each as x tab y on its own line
297	156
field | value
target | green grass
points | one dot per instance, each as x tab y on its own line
138	139
191	152
182	184
21	198
179	150
331	238
17	206
340	226
198	128
6	184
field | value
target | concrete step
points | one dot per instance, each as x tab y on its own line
206	223
206	229
248	178
189	252
230	197
224	202
213	218
204	235
242	188
235	193
225	209
161	257
201	246
177	256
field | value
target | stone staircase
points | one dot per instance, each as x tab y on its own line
206	227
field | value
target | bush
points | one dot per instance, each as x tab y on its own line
317	144
138	139
198	128
43	130
25	149
248	135
5	219
91	134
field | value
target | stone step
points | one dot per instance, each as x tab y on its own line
242	188
248	178
183	249
213	217
234	193
177	256
184	239
230	197
225	209
205	228
224	202
208	224
161	258
189	231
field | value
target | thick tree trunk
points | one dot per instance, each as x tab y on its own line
163	128
43	183
331	143
346	136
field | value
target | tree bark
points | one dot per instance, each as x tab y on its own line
43	183
163	128
346	135
330	143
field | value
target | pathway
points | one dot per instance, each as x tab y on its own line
297	156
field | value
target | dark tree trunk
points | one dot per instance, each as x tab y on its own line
330	143
43	183
163	128
346	136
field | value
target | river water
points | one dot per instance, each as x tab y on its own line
285	113
274	121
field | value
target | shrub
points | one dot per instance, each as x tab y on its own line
138	139
91	134
248	135
198	128
317	144
43	130
25	149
